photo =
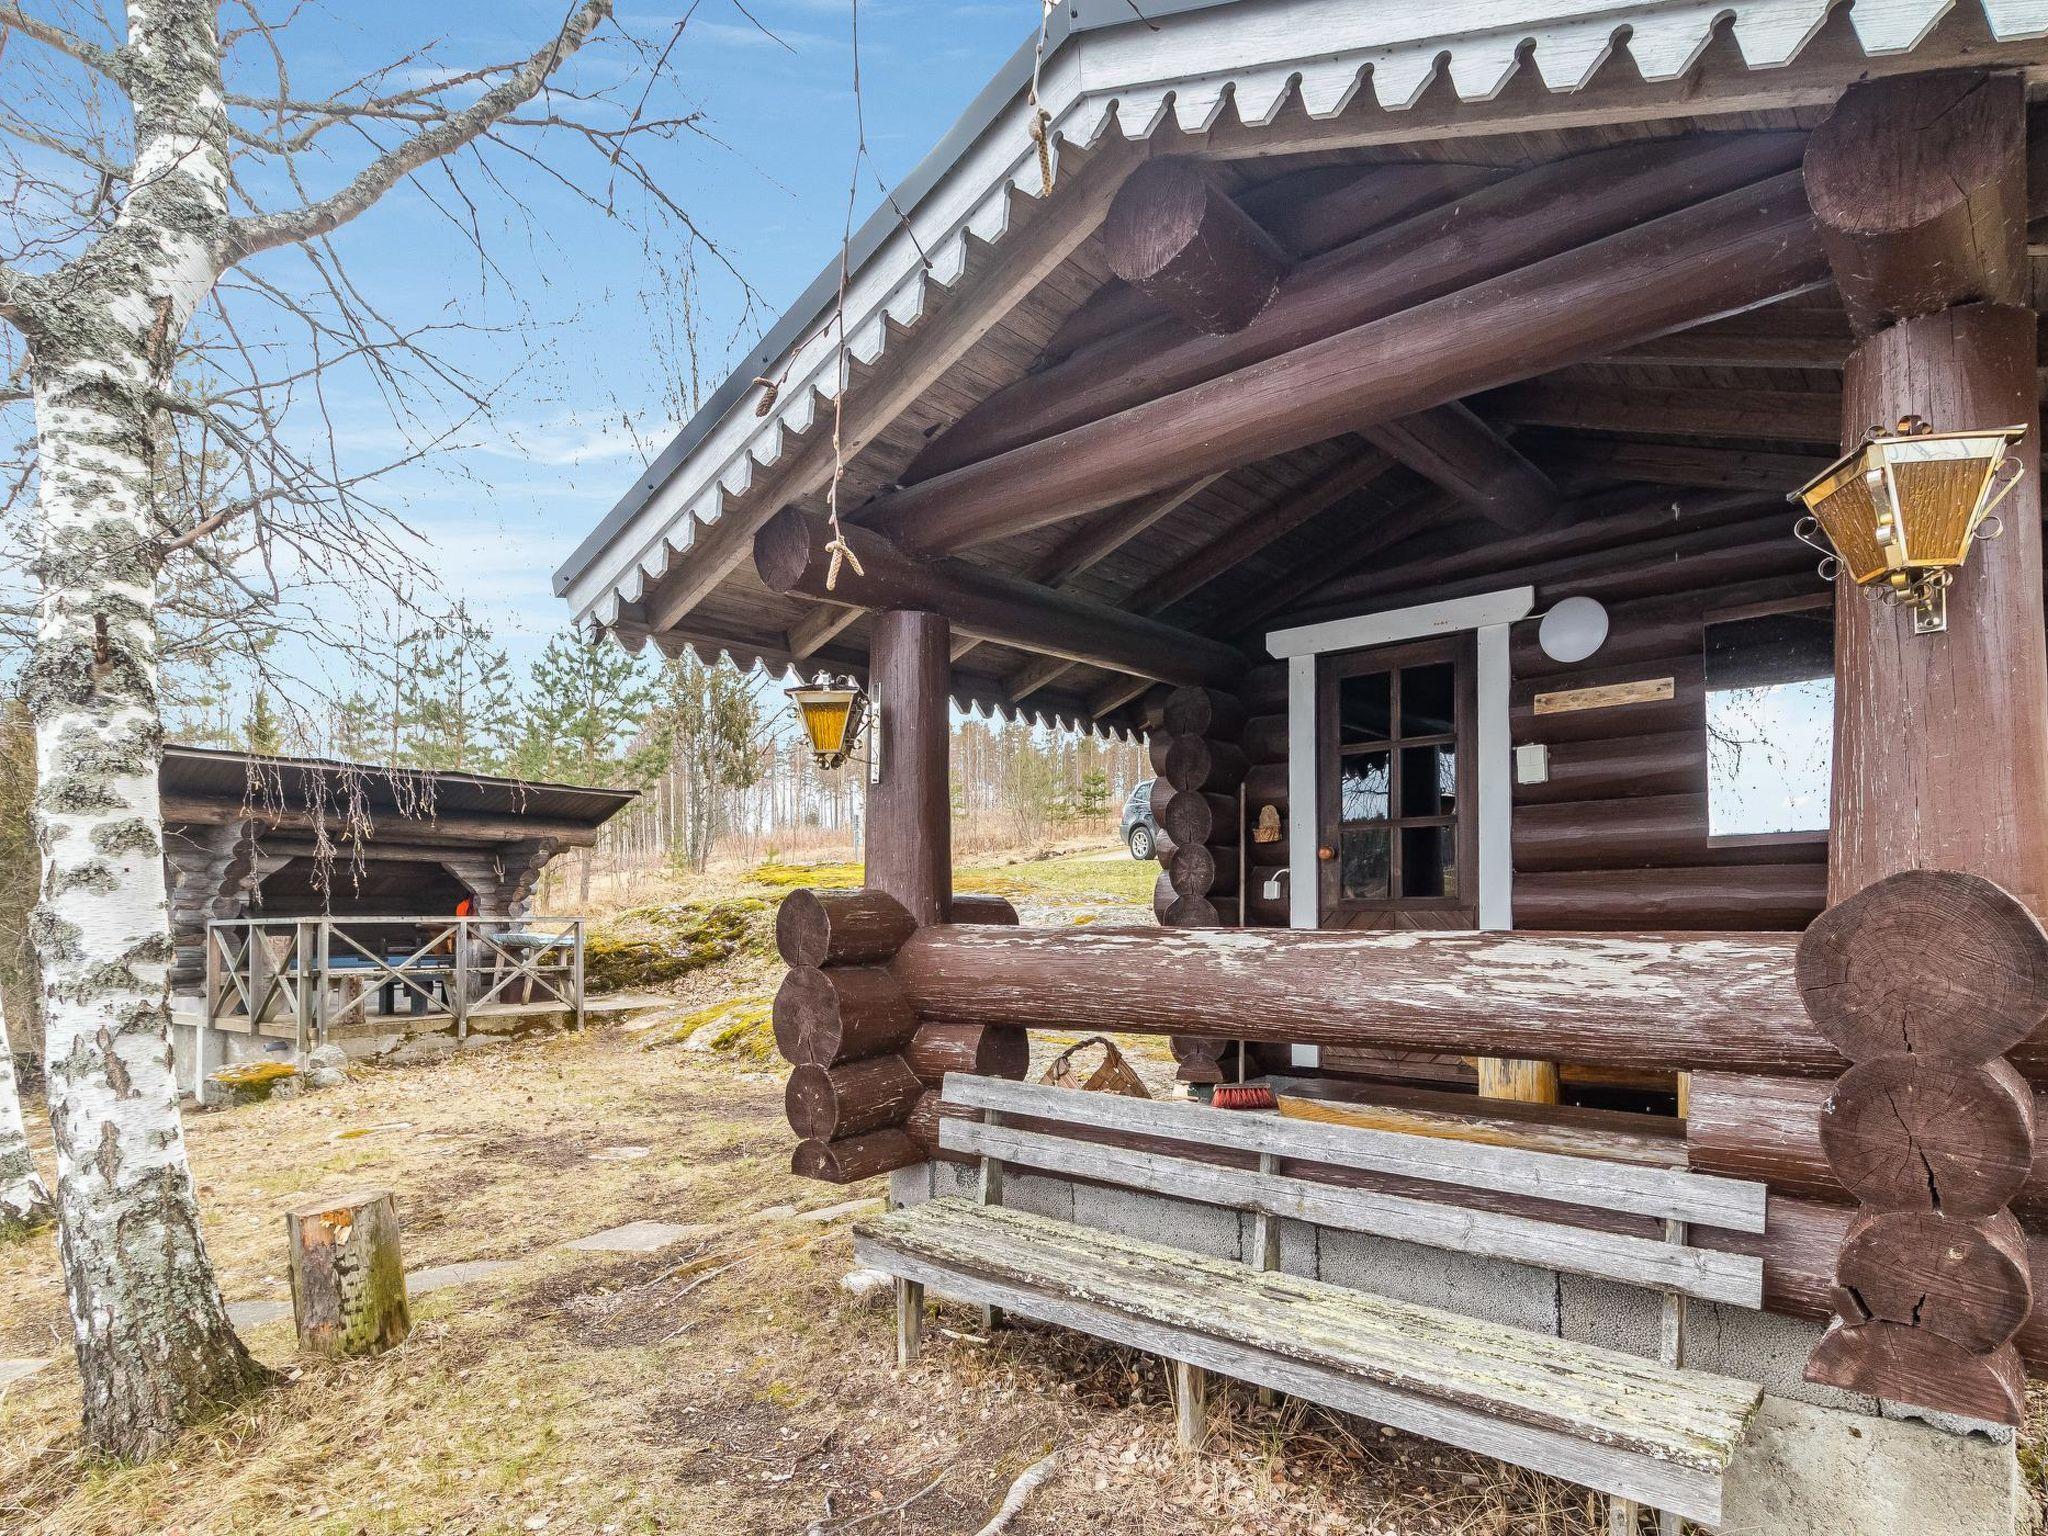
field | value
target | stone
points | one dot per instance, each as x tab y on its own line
1809	1469
841	1211
326	1077
441	1276
14	1370
254	1314
252	1082
329	1058
870	1287
633	1237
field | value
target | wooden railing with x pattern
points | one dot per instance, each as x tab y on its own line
325	974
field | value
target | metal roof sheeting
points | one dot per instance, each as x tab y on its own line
1190	59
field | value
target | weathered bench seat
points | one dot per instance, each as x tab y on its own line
1644	1431
1456	1379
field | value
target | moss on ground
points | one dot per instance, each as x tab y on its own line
653	945
818	877
741	1027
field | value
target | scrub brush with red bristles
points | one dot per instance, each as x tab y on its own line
1242	1096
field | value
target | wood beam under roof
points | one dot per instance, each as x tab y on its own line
915	361
1238	542
1760	415
1733	252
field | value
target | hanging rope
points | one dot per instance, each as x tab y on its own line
1041	120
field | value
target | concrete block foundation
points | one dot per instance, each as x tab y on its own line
1819	1462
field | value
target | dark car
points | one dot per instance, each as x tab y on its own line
1139	829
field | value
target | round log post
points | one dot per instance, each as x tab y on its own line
814	928
1918	187
829	1017
1965	1280
1937	759
1204	871
854	1158
348	1279
910	820
974	908
1176	237
827	1103
986	1050
1916	183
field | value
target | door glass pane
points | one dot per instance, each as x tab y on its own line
1429	780
1362	708
1364	865
1428	696
1363	787
1429	861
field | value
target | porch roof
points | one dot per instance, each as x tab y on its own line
959	295
218	776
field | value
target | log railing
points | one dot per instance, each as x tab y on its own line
1900	1035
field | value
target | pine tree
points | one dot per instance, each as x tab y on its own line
457	698
707	729
262	731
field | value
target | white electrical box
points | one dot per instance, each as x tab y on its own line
1532	763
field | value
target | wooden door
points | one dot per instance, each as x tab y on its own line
1397	794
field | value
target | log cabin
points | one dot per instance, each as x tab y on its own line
1394	412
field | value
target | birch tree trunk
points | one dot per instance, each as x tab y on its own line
155	1347
24	1199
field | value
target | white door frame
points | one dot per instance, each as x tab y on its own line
1490	614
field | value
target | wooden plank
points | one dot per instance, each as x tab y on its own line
1735	1279
1567	701
1692	1493
1642	1191
1563	1137
1597	1416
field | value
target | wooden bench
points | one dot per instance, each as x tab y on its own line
1646	1432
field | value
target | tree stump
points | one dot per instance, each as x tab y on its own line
348	1281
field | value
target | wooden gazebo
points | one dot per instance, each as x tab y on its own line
1391	410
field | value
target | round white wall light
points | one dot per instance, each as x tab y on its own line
1573	630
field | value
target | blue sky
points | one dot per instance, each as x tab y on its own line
591	395
570	317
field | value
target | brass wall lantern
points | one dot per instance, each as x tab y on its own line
1901	509
832	715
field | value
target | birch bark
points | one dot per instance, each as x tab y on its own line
24	1199
155	1347
154	1344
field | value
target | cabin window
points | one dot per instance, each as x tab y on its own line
1397	734
1770	696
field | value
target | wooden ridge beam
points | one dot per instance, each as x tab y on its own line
1530	217
1762	415
1577	463
1731	253
1776	337
793	558
1239	542
1452	448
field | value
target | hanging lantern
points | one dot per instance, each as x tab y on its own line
1901	509
832	717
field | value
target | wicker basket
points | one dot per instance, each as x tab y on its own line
1114	1075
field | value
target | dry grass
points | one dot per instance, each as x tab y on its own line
725	1384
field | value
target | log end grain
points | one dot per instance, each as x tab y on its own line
1919	1133
1881	1359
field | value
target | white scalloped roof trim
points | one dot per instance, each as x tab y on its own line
1136	77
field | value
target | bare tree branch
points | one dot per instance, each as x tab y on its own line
110	62
310	223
